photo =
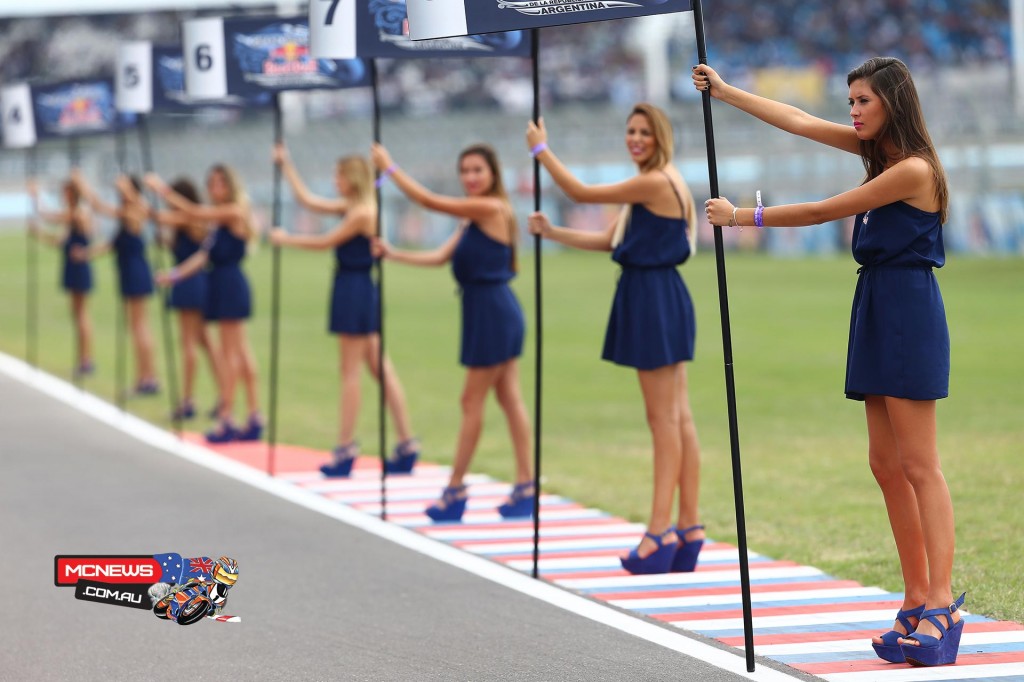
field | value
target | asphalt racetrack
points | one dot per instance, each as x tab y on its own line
319	600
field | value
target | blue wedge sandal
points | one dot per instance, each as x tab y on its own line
344	458
658	561
451	505
404	458
685	560
520	501
931	651
889	649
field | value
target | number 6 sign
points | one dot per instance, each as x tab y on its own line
16	116
205	64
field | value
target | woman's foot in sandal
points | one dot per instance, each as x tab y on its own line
654	554
691	540
344	458
451	506
936	641
887	646
520	501
404	458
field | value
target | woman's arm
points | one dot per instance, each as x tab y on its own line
309	200
188	267
782	116
909	180
356	223
55	217
477	209
577	239
432	258
219	213
636	190
99	205
37	231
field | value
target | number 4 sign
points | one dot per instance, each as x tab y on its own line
17	117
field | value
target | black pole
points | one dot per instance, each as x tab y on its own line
164	300
74	157
275	298
537	303
32	273
382	435
730	380
121	329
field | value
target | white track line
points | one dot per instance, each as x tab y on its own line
985	671
159	439
968	639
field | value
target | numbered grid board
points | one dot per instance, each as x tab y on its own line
57	110
429	19
248	56
344	29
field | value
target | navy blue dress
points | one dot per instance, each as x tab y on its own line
75	276
652	323
355	296
134	275
493	327
227	292
899	341
189	293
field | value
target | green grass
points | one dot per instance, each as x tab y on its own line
810	496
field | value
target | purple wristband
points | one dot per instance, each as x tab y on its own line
538	148
384	175
759	216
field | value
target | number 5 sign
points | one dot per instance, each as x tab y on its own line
133	81
205	64
17	117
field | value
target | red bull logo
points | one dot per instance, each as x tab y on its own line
289	58
80	111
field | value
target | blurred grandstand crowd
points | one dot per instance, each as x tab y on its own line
595	62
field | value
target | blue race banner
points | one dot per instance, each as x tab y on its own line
273	55
75	108
169	85
380	28
430	19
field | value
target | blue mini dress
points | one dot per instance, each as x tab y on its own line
191	292
493	327
354	298
227	292
76	276
134	275
652	323
899	341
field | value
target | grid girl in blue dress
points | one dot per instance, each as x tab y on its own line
228	301
76	276
354	302
185	236
482	254
651	327
135	279
898	352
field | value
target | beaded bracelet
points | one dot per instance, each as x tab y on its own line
385	175
538	148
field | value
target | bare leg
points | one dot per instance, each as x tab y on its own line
205	341
244	362
141	338
479	381
228	368
352	349
189	332
689	474
914	429
394	392
511	400
900	504
83	326
661	399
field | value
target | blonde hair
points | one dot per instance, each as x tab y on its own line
664	138
359	173
236	192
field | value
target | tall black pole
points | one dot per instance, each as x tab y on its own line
538	333
382	434
730	381
74	158
120	356
32	274
164	300
275	298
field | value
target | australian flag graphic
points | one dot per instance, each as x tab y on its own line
178	570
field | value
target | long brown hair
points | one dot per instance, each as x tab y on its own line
358	171
497	189
904	128
664	138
